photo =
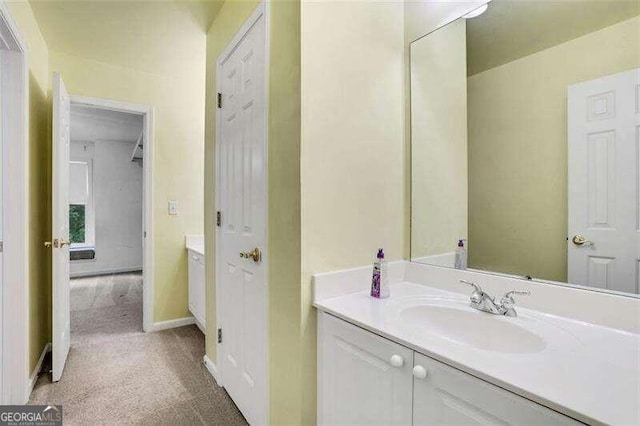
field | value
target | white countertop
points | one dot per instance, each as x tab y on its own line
586	371
195	243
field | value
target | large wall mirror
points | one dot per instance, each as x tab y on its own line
525	128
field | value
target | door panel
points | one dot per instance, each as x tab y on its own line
60	227
197	288
450	397
604	200
241	200
357	384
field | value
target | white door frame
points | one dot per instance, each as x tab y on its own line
261	10
14	289
147	191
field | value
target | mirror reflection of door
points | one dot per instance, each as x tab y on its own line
604	212
524	142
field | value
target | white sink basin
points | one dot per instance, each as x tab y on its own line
455	321
470	327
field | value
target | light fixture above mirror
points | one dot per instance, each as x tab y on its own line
477	12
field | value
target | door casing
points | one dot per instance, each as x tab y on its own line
15	383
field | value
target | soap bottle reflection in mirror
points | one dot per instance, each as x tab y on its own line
461	255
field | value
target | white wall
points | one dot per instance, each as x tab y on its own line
117	185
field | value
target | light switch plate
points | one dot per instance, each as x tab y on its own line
173	207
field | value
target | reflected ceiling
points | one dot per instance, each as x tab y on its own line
100	125
512	29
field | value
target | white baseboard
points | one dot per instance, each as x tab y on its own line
81	274
212	369
174	323
201	326
34	375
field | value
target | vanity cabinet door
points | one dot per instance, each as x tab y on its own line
443	395
363	379
196	288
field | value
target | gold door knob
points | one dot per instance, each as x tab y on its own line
256	255
579	240
60	243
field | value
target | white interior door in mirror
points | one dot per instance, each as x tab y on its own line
60	227
603	175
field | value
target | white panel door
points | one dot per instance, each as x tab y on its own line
2	192
241	183
363	379
60	227
446	396
604	202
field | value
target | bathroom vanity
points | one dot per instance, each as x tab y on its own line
424	356
197	299
524	180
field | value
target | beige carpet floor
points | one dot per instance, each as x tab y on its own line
118	375
105	307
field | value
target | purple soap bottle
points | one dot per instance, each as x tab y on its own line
379	280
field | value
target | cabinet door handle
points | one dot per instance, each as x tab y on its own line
419	372
396	361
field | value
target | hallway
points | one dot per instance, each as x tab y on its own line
117	374
105	307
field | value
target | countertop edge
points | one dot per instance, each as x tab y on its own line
196	248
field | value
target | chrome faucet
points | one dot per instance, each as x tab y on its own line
485	303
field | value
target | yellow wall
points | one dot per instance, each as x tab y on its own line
352	127
283	235
421	18
353	157
178	158
179	122
39	180
283	232
518	150
439	141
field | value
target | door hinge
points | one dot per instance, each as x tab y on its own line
219	335
219	100
218	218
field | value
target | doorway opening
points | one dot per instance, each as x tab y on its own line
102	198
106	169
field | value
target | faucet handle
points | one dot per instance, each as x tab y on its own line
475	286
508	301
476	296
